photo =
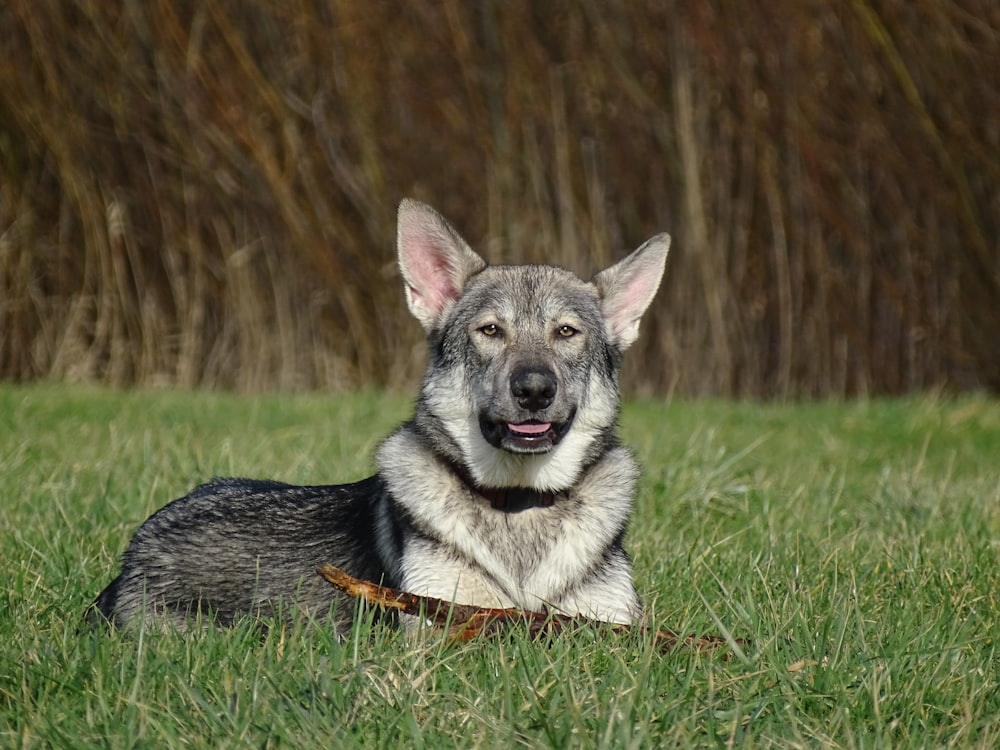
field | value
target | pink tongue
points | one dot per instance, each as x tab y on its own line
530	429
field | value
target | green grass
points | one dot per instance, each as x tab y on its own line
855	546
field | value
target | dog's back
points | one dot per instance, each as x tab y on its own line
236	547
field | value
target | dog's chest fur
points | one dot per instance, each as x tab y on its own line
565	556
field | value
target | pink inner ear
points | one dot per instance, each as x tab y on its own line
629	286
618	316
433	286
627	304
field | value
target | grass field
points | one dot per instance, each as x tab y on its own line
856	547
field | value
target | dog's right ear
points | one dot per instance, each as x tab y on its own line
434	260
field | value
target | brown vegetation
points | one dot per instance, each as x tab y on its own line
204	193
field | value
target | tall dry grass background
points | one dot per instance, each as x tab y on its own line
203	194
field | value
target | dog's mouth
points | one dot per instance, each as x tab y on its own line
530	436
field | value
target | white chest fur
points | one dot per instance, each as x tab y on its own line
561	557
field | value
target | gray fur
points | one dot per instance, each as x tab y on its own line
508	487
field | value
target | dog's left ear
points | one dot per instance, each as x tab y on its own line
434	260
628	287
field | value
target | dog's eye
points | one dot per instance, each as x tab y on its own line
567	331
490	329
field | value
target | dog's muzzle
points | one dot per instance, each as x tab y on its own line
533	390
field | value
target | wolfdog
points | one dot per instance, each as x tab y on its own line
507	488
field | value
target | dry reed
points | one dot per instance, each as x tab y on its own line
203	194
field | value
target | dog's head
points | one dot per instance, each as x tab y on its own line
524	360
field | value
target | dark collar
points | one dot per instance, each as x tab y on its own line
509	499
516	499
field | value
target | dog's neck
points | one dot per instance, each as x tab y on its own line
508	499
516	499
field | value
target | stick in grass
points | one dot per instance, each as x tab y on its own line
464	622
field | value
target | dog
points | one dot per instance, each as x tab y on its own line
508	487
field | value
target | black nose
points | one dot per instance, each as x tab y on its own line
533	387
